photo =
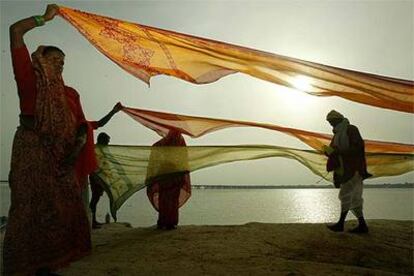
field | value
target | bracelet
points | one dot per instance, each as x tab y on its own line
40	20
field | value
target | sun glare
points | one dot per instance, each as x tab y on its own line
302	83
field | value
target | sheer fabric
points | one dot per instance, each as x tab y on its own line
193	126
168	192
146	51
125	169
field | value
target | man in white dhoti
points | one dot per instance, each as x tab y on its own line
346	158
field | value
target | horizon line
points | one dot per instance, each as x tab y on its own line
330	185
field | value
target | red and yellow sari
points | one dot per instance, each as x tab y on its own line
167	193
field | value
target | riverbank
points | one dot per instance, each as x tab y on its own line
253	248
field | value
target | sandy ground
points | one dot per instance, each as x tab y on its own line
250	249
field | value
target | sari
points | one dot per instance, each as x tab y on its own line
168	192
47	226
146	51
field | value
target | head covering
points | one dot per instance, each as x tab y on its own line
54	120
333	114
173	138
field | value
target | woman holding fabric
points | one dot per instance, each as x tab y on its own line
169	191
48	227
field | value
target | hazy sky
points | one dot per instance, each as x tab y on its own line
369	36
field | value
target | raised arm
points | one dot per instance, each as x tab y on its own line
18	29
108	116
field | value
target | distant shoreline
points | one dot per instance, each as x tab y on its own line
326	186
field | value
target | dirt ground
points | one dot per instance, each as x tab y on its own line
250	249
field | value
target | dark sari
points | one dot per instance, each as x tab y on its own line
47	225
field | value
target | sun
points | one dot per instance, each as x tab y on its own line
294	94
302	83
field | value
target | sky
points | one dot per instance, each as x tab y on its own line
369	36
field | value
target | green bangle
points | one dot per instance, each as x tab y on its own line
40	20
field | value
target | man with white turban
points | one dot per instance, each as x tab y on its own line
346	158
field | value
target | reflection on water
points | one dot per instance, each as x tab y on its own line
239	206
316	205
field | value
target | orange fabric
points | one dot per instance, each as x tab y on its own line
198	126
146	51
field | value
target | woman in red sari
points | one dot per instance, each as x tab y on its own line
47	226
169	192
